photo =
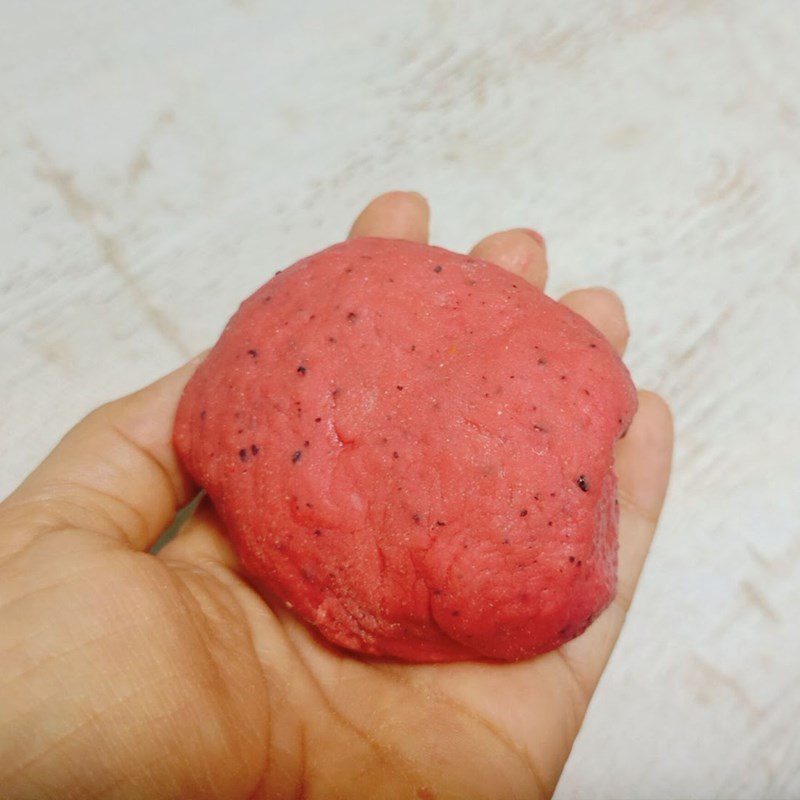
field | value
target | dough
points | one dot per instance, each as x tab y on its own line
413	450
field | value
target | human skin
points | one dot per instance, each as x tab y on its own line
127	674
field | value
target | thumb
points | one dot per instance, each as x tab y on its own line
114	474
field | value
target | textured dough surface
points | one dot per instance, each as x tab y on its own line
413	448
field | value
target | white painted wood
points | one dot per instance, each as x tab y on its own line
159	160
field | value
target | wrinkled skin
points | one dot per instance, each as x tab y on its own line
127	674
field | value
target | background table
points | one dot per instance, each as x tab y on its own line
158	161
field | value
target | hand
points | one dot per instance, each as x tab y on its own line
126	674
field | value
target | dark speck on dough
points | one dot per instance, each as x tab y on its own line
306	443
243	454
332	339
399	388
203	414
539	428
352	316
572	559
301	370
593	346
523	512
440	523
252	353
541	362
437	268
317	532
318	419
395	454
268	298
254	448
583	483
415	517
296	456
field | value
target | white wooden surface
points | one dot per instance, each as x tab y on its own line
159	160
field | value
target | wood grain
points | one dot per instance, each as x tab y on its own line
159	161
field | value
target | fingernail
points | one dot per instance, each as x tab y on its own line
407	193
418	196
536	236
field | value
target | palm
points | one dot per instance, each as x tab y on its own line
176	679
383	721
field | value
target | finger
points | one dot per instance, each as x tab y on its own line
394	215
115	473
643	460
604	310
201	539
521	251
